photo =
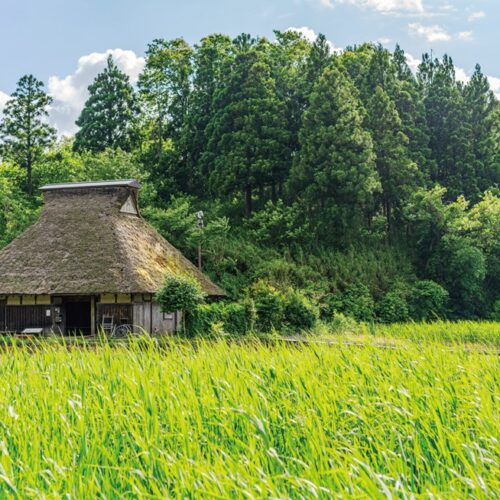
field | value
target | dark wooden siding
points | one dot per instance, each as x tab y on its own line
17	318
2	316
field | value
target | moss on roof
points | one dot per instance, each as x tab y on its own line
82	244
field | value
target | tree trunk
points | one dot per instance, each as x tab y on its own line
274	197
29	180
248	201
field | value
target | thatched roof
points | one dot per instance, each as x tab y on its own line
89	241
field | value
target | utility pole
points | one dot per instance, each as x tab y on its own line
201	224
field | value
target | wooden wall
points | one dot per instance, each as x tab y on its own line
148	316
17	318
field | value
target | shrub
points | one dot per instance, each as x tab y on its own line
233	318
269	304
356	302
427	299
495	315
393	308
343	324
299	311
180	293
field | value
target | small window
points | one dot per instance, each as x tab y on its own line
168	316
129	207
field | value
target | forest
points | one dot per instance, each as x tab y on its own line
333	181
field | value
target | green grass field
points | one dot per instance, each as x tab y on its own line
249	420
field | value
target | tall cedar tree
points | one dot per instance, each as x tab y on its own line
292	66
450	132
410	106
396	171
165	88
108	118
24	131
482	113
211	58
335	168
248	143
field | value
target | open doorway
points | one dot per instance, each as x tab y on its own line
78	317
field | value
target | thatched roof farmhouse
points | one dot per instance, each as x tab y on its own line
89	257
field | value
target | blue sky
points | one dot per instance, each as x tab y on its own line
65	42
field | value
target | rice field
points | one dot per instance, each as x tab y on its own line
243	420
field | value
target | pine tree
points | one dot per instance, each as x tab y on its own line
248	144
397	172
450	133
165	89
24	131
335	169
482	112
108	118
212	59
408	98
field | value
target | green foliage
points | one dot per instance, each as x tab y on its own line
248	145
342	323
278	225
397	173
427	300
335	169
356	301
495	315
235	318
393	308
299	312
24	132
269	305
350	169
180	293
109	115
17	210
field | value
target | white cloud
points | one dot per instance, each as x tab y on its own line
3	100
465	35
70	92
310	35
326	3
383	6
474	16
432	33
495	85
436	33
413	62
384	40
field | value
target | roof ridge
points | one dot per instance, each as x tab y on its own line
92	184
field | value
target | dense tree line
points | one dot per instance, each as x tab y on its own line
305	154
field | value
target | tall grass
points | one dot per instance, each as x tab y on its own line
485	333
247	420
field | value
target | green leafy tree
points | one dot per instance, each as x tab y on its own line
180	293
335	169
108	118
24	132
427	300
17	210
